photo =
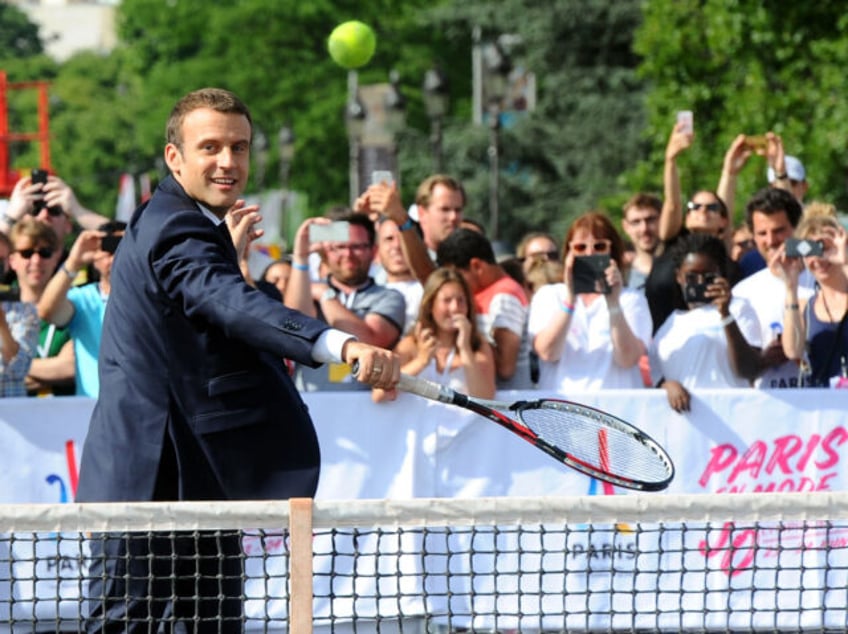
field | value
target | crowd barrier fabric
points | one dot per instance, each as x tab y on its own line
731	441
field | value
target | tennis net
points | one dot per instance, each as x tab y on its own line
630	563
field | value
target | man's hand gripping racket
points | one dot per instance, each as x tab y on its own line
584	438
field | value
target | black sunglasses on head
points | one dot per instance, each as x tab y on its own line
43	252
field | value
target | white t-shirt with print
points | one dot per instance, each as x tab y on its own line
766	293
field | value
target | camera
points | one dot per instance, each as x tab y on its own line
695	288
796	248
110	243
756	142
382	176
588	274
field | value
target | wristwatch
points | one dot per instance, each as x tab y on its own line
330	293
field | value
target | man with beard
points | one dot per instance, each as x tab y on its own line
348	300
641	224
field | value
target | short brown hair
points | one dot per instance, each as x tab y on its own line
642	201
600	226
37	232
425	189
216	99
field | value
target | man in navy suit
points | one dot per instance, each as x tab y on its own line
195	402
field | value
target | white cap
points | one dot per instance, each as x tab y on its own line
794	169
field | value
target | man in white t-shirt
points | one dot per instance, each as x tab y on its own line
772	215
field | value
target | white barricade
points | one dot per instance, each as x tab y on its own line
731	441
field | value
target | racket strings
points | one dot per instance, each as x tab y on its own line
597	442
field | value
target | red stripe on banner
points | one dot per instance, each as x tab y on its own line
71	459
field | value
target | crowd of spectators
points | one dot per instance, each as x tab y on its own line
679	299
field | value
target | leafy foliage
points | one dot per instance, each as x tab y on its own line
745	66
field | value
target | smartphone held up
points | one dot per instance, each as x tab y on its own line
329	232
686	119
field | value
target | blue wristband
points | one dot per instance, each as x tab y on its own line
300	267
406	226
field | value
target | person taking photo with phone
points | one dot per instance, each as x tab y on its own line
814	329
348	299
711	339
589	331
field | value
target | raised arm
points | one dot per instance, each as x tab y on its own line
54	305
385	199
671	216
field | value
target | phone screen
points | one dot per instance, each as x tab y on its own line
332	232
796	248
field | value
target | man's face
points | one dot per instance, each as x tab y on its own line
442	216
389	249
214	161
350	261
33	263
770	231
641	225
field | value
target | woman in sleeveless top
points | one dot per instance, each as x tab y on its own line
445	345
817	329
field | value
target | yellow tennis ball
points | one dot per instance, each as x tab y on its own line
352	44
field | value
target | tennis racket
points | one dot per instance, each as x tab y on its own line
589	440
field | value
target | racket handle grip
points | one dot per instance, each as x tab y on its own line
425	388
419	386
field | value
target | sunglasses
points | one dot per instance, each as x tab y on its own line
53	211
550	256
711	207
44	253
598	246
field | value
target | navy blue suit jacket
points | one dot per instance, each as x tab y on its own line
192	357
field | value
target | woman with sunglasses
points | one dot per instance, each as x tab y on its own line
815	330
704	213
594	339
710	340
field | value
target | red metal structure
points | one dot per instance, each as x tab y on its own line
9	177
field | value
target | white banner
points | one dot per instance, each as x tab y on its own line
617	576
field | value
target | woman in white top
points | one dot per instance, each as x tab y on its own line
712	340
589	340
445	346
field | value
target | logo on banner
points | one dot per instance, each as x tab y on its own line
784	464
67	486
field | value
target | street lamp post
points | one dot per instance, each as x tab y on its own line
494	151
355	116
436	97
395	103
285	146
260	151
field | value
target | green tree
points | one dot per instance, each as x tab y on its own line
18	36
745	66
568	155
